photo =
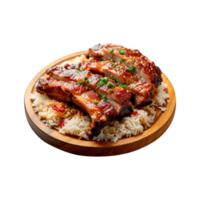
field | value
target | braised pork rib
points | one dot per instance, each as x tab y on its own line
117	96
142	90
145	68
100	111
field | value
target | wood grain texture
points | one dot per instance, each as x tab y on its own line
93	148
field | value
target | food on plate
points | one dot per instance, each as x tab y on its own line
114	92
120	73
101	112
144	68
118	97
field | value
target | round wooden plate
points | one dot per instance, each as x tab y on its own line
94	148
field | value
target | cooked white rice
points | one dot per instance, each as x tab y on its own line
80	59
76	124
64	63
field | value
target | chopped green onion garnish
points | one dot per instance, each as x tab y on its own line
90	70
112	60
123	85
103	98
118	67
121	60
79	82
80	70
87	81
86	87
114	65
111	51
100	83
111	90
95	102
105	79
101	59
86	78
131	69
110	85
121	51
132	61
126	62
113	80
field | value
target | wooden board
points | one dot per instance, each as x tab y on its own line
94	148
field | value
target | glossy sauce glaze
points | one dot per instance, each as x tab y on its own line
113	92
145	68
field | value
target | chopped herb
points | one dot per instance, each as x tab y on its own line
104	98
111	90
121	51
131	69
80	70
86	78
132	61
112	60
86	87
118	67
114	65
100	83
113	80
126	62
121	60
110	85
70	117
101	59
90	70
78	83
111	51
95	102
105	79
123	85
87	81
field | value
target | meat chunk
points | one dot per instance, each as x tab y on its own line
118	97
145	69
142	90
117	71
100	111
108	88
53	89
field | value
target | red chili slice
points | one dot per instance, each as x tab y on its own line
133	113
60	109
62	123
